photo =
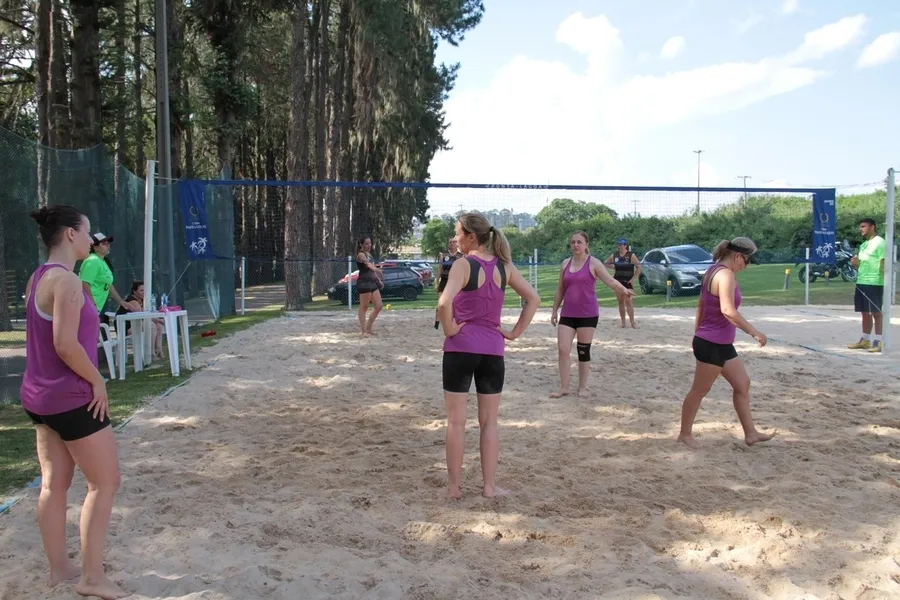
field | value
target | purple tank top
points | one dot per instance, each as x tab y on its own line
480	309
49	386
580	292
714	327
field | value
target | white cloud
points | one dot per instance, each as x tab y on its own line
789	7
541	120
672	48
745	25
884	49
821	42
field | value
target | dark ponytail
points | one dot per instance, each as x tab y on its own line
52	220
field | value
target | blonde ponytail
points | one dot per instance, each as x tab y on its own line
500	246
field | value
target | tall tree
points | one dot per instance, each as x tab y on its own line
298	209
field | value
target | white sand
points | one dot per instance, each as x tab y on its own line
308	464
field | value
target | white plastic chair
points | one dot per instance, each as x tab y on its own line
109	346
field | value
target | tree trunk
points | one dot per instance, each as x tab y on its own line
339	239
345	242
178	105
60	118
42	53
121	87
188	136
323	242
298	211
137	67
86	102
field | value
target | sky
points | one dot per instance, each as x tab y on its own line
793	93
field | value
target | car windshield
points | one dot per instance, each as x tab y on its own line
684	256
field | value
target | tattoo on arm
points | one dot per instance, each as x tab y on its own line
75	296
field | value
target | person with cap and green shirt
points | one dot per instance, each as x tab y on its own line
97	277
869	286
628	268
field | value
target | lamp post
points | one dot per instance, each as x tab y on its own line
698	153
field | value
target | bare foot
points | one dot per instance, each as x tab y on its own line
633	325
623	324
689	441
583	392
453	493
492	491
68	573
559	394
101	588
757	437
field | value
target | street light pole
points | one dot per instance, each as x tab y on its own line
698	153
745	178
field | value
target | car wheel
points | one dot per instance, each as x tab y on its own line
645	285
676	287
410	294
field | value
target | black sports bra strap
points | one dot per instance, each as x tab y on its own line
710	274
474	269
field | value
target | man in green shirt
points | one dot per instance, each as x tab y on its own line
869	286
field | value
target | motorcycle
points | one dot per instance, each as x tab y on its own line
840	267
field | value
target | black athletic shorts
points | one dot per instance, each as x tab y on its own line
579	322
460	368
712	353
627	283
73	424
867	298
442	283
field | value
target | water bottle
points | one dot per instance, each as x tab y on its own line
152	301
164	301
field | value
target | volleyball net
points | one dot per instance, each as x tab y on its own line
292	244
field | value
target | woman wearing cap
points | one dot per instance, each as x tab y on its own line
628	268
577	292
715	325
97	277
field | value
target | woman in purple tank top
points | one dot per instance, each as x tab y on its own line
716	323
577	292
470	308
65	396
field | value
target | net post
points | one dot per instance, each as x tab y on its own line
149	203
243	285
536	269
149	199
349	282
890	277
806	297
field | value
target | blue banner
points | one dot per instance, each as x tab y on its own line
192	196
824	222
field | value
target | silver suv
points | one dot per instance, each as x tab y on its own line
683	265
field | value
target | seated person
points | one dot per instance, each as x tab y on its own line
134	302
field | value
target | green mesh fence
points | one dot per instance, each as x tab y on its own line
111	196
113	199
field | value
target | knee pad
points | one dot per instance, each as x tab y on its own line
584	352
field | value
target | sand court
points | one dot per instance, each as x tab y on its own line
305	462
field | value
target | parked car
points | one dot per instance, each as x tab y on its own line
683	265
399	282
419	266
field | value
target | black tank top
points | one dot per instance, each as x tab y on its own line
363	267
446	263
624	266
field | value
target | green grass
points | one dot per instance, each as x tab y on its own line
18	461
761	285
